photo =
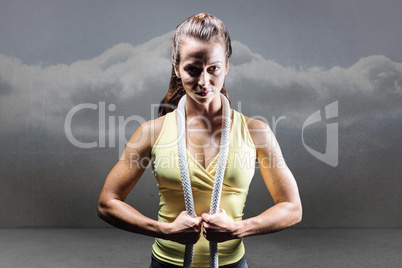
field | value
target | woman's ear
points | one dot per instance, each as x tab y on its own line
176	70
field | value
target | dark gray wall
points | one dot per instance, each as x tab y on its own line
291	58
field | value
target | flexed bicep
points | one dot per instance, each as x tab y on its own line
276	174
132	164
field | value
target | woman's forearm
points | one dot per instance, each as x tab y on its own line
274	219
123	216
184	229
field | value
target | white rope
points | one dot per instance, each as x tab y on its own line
185	176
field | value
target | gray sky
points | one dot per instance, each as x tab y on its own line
293	33
290	59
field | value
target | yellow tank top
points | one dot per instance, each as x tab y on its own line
239	171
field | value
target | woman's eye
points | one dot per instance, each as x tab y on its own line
213	68
191	69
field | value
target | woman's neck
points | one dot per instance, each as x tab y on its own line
209	110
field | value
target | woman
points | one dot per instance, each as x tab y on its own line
200	62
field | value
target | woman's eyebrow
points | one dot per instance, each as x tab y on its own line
197	55
195	62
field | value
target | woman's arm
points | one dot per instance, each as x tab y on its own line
281	184
122	179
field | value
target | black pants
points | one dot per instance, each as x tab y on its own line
155	263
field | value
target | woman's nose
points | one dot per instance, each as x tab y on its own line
204	79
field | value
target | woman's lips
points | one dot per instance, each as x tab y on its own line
203	93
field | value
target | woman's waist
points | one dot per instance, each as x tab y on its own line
229	251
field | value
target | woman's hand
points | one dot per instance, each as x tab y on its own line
184	229
218	227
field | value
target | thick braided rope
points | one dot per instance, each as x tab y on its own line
220	172
185	176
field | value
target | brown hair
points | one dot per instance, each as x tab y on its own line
204	27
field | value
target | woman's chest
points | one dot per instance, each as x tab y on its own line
203	143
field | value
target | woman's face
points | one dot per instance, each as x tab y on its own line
202	69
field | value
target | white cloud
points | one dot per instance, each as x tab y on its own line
42	95
37	95
373	84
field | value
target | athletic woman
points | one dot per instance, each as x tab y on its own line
220	147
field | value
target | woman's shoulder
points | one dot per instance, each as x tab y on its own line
146	134
260	131
252	123
154	128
